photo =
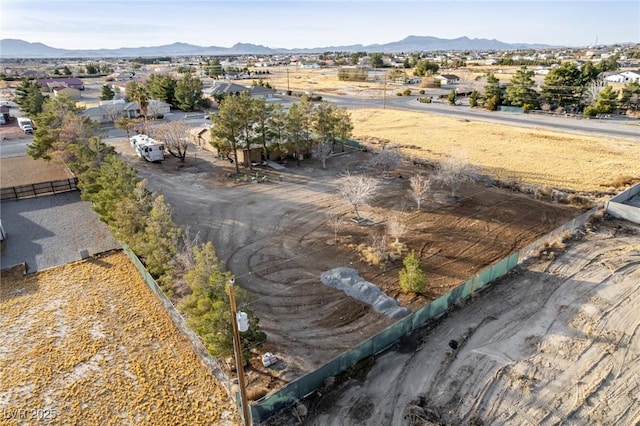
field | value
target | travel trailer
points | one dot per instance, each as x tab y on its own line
147	148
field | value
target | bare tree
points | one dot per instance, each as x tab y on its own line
357	190
420	185
174	134
334	220
396	228
322	151
387	158
593	90
453	172
112	111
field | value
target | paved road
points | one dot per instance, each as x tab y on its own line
621	128
618	127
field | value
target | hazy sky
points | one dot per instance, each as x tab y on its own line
95	24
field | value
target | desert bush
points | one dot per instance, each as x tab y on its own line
412	276
424	100
421	91
624	180
255	393
407	92
399	94
492	103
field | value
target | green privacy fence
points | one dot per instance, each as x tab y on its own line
303	386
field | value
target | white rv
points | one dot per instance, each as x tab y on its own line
147	148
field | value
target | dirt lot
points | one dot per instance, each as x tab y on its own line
15	171
274	237
88	343
561	347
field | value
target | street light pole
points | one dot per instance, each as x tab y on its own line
237	349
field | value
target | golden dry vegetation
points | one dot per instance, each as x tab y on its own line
15	171
92	344
559	160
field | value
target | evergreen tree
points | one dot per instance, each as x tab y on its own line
630	98
492	92
607	101
563	85
162	87
107	93
520	91
207	307
188	92
29	97
412	276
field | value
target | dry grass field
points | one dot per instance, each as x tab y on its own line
559	160
25	170
88	343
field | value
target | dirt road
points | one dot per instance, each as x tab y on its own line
561	347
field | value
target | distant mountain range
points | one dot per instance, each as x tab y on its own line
12	48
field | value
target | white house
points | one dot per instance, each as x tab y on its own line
448	79
624	77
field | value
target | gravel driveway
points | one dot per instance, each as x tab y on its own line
51	230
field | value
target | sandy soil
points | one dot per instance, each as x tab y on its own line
561	347
89	343
15	171
275	239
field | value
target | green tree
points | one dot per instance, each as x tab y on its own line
66	70
58	125
521	90
162	87
298	128
412	276
630	98
492	92
207	307
107	186
160	243
425	68
107	93
213	68
29	97
375	60
452	97
92	68
563	85
226	132
188	92
607	101
473	99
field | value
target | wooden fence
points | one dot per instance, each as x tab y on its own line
38	189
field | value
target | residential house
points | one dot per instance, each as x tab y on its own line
201	136
48	83
448	79
224	88
71	92
623	77
155	108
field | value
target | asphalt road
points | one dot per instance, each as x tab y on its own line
610	127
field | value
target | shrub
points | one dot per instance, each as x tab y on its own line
421	91
412	276
399	94
492	103
407	92
424	100
590	111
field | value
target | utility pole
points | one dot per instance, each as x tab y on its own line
288	88
237	349
384	92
